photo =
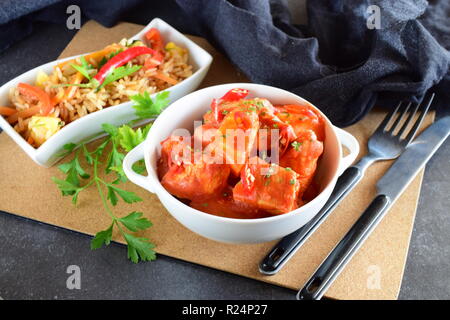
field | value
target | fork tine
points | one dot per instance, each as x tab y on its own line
388	118
410	118
399	119
418	122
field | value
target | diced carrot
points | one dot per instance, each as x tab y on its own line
7	111
163	77
30	140
97	55
23	114
70	91
58	97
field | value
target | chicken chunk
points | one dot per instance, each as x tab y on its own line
267	187
196	180
301	118
236	139
302	157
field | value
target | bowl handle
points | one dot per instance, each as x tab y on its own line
351	144
131	158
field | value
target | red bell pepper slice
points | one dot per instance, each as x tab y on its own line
235	94
38	94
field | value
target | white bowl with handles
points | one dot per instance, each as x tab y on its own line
182	114
88	127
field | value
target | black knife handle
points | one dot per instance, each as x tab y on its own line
288	246
336	261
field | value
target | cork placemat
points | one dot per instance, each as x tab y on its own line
374	273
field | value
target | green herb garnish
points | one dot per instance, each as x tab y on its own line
114	75
120	139
119	73
149	108
296	145
84	68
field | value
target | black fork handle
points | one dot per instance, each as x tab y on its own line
336	261
289	245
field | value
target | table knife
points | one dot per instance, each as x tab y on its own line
389	188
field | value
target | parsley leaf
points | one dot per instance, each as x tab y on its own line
64	185
129	138
67	149
102	237
84	68
112	196
101	148
110	129
115	160
135	222
139	248
127	196
68	188
119	73
73	170
87	155
74	167
139	167
147	107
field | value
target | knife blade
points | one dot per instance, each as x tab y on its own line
403	171
389	188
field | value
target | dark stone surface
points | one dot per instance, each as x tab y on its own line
34	257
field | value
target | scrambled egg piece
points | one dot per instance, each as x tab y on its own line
41	128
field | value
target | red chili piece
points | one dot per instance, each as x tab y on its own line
121	59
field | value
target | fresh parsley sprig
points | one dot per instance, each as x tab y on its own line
147	108
120	139
118	73
85	69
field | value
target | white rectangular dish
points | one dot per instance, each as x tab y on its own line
89	126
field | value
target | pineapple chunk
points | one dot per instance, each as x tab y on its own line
41	78
137	43
173	46
41	128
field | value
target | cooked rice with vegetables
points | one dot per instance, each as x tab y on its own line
93	82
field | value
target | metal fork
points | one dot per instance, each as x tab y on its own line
386	143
